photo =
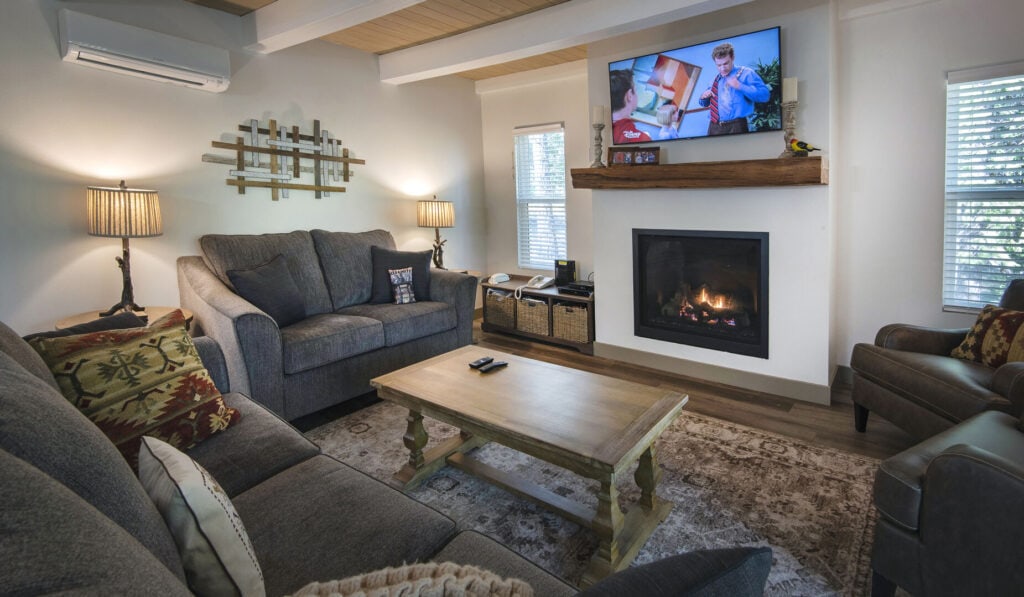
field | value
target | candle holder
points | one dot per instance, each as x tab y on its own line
597	163
789	126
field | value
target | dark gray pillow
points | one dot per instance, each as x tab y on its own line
385	259
118	321
272	289
732	572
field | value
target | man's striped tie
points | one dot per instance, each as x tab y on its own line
714	100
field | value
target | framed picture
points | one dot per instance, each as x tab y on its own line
634	156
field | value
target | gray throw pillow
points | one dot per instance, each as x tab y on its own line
118	321
272	289
387	259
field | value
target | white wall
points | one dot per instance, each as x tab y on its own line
892	119
508	102
66	127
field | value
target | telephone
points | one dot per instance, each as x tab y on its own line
540	282
498	278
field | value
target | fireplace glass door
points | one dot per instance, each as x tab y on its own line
702	288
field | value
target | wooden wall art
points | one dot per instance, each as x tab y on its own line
285	148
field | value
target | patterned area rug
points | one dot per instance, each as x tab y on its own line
732	485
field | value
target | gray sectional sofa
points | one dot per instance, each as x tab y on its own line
344	339
75	519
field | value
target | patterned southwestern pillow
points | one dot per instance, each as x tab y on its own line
215	549
139	381
996	338
401	285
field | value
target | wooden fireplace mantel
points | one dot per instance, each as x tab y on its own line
706	175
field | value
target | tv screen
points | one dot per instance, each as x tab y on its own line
722	87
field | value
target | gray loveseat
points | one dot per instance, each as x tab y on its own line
75	519
343	341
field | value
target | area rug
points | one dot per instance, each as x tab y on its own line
732	485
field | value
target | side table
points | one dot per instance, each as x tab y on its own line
151	313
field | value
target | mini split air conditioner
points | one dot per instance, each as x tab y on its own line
116	47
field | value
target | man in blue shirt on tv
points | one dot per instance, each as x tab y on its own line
732	94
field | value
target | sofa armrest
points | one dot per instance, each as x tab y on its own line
971	527
458	290
248	337
1008	381
914	338
213	359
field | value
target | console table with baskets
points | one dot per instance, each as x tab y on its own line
542	314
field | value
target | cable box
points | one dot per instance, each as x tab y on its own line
578	288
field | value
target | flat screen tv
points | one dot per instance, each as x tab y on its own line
722	87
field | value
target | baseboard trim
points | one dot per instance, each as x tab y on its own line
797	390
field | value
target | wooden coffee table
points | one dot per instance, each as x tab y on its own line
593	425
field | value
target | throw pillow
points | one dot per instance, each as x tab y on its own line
401	285
996	338
387	259
117	321
429	578
272	289
215	549
139	381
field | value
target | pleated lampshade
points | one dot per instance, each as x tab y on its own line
435	214
123	212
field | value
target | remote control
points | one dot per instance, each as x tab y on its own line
492	366
481	362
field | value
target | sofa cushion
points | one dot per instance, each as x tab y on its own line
327	338
898	480
139	381
214	547
471	547
223	252
347	263
403	323
117	321
322	519
952	388
427	578
996	337
271	288
39	426
230	457
56	543
12	345
387	259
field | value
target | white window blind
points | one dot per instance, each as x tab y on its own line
540	195
984	216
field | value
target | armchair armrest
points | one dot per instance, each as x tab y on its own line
249	338
213	359
458	290
971	527
915	338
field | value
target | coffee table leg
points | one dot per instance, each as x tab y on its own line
647	477
415	438
608	526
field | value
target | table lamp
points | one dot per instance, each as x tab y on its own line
125	213
437	215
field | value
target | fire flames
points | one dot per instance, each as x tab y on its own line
711	308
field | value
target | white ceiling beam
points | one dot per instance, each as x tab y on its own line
286	23
561	26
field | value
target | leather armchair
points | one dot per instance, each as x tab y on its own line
949	512
908	377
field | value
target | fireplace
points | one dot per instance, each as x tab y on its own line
702	288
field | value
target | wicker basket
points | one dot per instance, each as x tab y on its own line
571	323
532	316
501	309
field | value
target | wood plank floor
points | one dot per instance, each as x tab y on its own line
830	426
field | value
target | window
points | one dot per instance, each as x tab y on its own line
540	195
984	219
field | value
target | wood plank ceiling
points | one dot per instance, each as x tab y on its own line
429	21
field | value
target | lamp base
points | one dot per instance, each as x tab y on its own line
127	292
438	249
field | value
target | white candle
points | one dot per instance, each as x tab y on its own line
597	115
789	89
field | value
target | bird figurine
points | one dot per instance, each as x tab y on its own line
802	148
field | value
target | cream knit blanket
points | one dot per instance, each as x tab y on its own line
430	579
